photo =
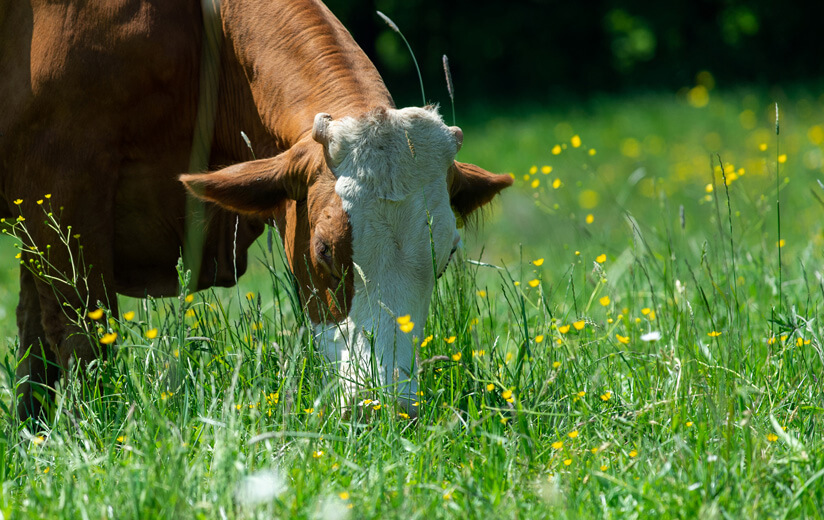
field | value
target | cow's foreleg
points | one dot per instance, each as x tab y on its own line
37	362
68	267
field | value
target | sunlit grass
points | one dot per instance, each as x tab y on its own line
609	354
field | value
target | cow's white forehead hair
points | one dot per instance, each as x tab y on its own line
388	153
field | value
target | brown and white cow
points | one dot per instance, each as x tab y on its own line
99	108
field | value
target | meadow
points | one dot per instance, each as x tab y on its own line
632	331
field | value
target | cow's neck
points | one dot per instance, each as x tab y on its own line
299	60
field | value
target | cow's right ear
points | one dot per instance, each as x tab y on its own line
470	187
258	187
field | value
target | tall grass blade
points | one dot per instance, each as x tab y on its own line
395	28
449	86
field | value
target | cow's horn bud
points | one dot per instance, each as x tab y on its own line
320	130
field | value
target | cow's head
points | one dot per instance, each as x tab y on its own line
367	208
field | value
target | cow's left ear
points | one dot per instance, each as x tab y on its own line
470	187
258	187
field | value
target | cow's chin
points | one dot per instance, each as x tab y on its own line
369	368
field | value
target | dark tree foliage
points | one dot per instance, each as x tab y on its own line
536	48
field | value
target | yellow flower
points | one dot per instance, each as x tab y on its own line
377	407
533	170
714	334
546	170
782	158
689	424
128	316
535	183
771	437
563	329
576	141
582	393
310	411
18	201
121	438
482	293
190	298
447	495
109	338
651	316
594	450
633	454
590	218
604	300
538	263
38	440
601	258
567	462
151	333
456	356
573	434
604	467
622	339
782	243
534	283
490	387
96	315
708	188
579	325
592	151
407	327
606	396
450	339
344	495
507	394
556	364
645	311
557	445
190	313
426	341
539	338
556	150
317	454
39	202
556	184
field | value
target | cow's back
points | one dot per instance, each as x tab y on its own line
98	110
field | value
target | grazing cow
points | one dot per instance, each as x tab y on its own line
103	104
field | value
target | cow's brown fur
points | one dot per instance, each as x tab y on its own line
98	102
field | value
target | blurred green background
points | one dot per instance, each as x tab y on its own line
543	50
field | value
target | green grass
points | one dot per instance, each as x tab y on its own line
224	414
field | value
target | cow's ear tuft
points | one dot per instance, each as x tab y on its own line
259	187
470	187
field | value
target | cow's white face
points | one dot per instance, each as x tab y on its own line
391	168
367	224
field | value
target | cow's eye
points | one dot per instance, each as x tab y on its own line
323	251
